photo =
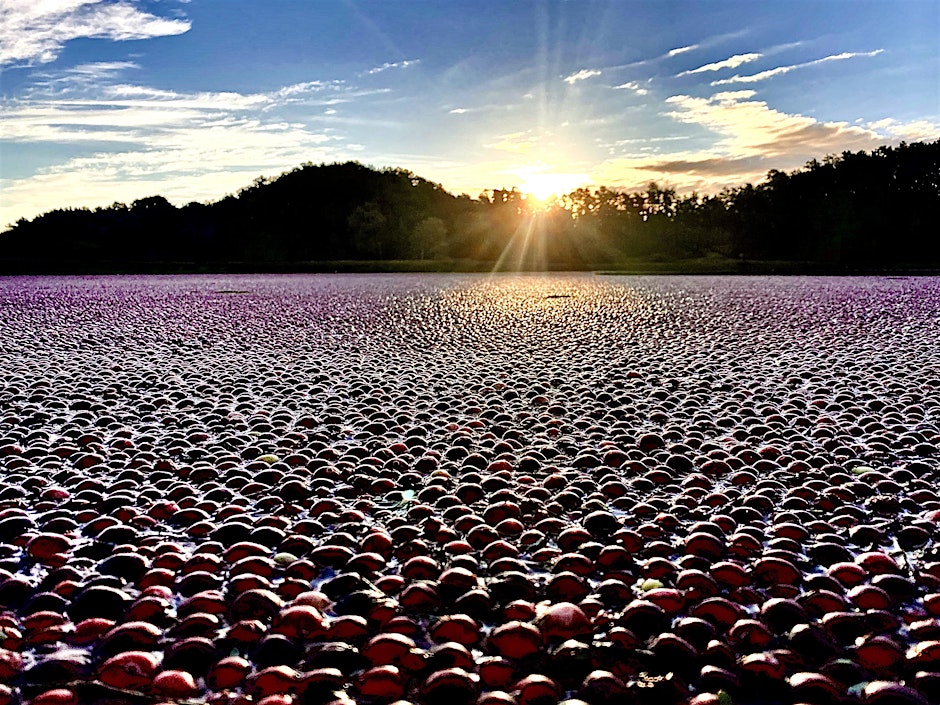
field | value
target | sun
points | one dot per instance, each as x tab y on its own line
544	185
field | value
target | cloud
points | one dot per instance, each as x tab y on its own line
396	65
517	142
100	183
750	139
678	51
139	140
101	70
914	131
581	75
701	172
770	73
714	40
122	113
182	163
79	77
307	87
747	127
33	32
633	86
729	63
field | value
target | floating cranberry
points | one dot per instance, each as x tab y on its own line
535	689
450	686
814	687
228	673
891	693
56	696
925	655
459	628
174	684
515	640
496	697
299	622
381	682
562	621
130	670
879	654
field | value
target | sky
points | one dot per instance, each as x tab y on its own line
113	100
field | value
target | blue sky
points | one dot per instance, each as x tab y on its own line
104	101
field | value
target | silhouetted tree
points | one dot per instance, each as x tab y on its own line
856	208
367	226
430	238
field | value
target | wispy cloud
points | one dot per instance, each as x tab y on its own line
632	86
581	75
140	140
392	65
516	142
33	32
729	63
770	73
181	161
100	70
678	51
305	88
708	42
80	77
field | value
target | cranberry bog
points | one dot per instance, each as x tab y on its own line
469	489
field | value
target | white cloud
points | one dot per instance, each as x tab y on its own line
308	87
581	75
182	163
101	183
120	113
730	63
77	78
35	31
394	65
681	50
750	139
186	146
914	131
749	127
633	86
100	70
770	73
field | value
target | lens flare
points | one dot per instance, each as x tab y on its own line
544	185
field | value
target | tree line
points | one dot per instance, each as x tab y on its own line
856	209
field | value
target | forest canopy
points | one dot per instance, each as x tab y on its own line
857	209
